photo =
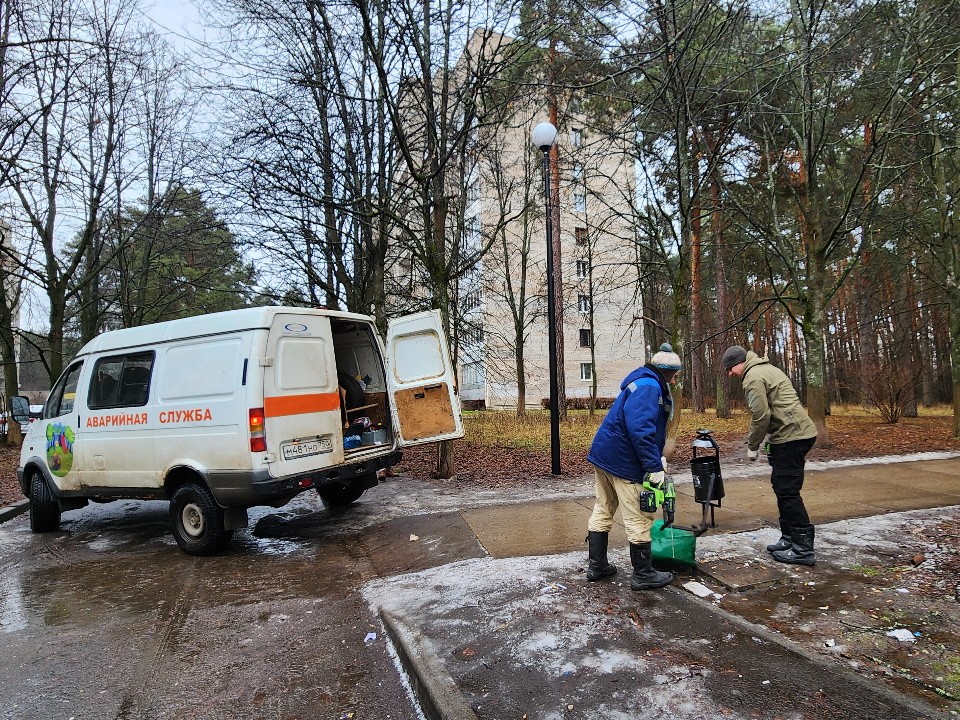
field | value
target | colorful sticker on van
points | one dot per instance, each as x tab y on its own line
60	448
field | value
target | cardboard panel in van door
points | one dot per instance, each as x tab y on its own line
301	400
420	380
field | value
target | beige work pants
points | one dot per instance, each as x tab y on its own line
613	492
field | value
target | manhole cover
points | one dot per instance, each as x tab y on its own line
738	574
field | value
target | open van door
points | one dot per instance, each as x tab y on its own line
420	380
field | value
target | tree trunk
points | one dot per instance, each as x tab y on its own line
696	306
954	298
521	377
813	341
445	463
723	301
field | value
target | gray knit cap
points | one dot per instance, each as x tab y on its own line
734	356
666	359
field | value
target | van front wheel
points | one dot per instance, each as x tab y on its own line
197	520
44	508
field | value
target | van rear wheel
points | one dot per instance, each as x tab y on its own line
197	520
340	495
44	508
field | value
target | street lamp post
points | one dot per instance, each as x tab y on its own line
544	136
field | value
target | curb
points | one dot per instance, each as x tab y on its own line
437	693
868	684
18	508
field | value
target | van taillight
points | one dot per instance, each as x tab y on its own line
258	435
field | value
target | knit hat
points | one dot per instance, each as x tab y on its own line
666	359
734	355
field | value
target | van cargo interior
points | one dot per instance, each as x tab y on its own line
363	386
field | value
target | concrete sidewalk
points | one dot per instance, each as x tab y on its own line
842	493
521	634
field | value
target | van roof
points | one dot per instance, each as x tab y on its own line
202	325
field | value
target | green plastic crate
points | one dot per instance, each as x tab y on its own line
673	545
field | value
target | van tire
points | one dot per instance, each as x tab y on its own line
197	520
44	508
340	495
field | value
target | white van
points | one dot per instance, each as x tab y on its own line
223	412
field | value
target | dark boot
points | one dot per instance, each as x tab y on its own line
598	566
645	577
784	543
801	548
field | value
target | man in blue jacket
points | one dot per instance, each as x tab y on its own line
626	451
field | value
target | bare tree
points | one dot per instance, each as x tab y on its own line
440	78
72	167
308	163
509	279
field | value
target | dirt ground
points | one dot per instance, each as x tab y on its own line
889	609
852	436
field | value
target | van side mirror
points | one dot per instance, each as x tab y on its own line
20	409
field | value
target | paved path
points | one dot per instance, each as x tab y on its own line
521	634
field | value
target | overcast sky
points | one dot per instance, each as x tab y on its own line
173	18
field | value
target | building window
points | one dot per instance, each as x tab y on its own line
577	171
473	334
576	137
583	303
473	192
580	234
586	371
579	202
583	269
586	337
474	237
471	300
472	375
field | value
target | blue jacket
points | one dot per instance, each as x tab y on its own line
629	443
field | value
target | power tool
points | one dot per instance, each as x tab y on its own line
662	495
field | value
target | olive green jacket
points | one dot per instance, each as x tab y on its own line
774	403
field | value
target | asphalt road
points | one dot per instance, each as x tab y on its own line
108	619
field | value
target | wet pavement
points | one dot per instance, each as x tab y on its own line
107	619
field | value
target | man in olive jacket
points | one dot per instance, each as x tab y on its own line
777	410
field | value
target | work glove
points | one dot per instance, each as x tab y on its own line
752	455
656	478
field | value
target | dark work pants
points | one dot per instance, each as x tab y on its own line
787	460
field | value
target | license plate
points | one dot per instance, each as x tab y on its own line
306	448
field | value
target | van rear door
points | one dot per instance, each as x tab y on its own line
301	403
420	380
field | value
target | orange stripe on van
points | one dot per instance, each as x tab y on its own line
300	404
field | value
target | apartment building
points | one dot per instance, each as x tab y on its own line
602	307
496	230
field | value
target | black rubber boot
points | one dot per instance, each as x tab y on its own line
784	543
645	577
801	549
598	567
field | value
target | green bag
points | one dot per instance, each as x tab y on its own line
673	544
